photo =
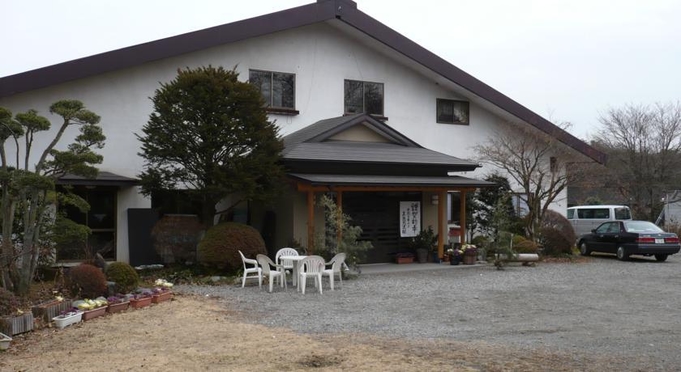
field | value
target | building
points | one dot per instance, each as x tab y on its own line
321	68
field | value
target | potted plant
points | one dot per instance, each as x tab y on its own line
12	320
454	255
4	341
117	303
424	243
141	299
92	308
49	309
470	254
404	257
66	318
162	291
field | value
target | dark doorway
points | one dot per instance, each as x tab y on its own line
140	245
377	213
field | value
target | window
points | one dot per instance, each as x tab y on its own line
520	204
101	219
362	96
277	89
452	112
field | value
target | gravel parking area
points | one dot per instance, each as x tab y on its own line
601	307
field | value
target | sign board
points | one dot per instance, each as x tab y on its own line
410	219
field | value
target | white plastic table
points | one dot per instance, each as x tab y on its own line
296	260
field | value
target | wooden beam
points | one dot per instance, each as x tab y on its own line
462	217
339	206
307	187
441	222
310	222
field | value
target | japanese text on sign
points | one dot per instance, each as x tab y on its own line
410	219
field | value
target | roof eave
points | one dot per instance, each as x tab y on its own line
165	48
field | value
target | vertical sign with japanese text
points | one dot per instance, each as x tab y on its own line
410	219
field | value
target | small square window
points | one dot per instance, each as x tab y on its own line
362	96
452	112
277	88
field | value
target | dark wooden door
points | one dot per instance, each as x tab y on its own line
377	213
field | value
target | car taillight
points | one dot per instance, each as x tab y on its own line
646	240
671	240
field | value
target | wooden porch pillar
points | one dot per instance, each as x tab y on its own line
310	222
441	222
339	206
462	217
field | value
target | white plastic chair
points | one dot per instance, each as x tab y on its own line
311	266
250	270
287	264
336	264
266	263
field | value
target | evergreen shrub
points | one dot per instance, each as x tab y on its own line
220	247
87	281
124	275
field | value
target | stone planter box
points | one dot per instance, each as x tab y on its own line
4	341
14	325
117	308
48	310
94	313
62	322
164	296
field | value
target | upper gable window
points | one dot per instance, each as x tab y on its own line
277	88
452	112
363	96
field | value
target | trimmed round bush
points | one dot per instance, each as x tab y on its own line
524	246
124	275
87	281
8	302
554	242
556	235
220	246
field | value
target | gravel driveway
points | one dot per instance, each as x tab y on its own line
599	307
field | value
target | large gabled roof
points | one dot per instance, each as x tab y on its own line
322	11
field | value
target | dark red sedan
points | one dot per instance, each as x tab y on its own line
625	238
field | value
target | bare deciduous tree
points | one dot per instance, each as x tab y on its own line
643	144
536	162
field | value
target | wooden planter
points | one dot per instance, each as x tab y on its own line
48	310
91	314
14	325
163	296
117	308
140	303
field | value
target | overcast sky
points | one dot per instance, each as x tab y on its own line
567	60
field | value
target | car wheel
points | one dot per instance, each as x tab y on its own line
622	254
661	257
583	250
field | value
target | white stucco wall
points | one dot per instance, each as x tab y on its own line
321	56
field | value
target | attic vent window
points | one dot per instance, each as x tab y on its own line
277	89
363	97
452	112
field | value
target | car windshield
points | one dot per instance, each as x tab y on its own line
641	227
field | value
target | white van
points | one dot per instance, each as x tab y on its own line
585	218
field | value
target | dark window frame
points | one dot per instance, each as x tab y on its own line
92	194
381	115
269	106
453	102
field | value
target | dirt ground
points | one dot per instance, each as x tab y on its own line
197	334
